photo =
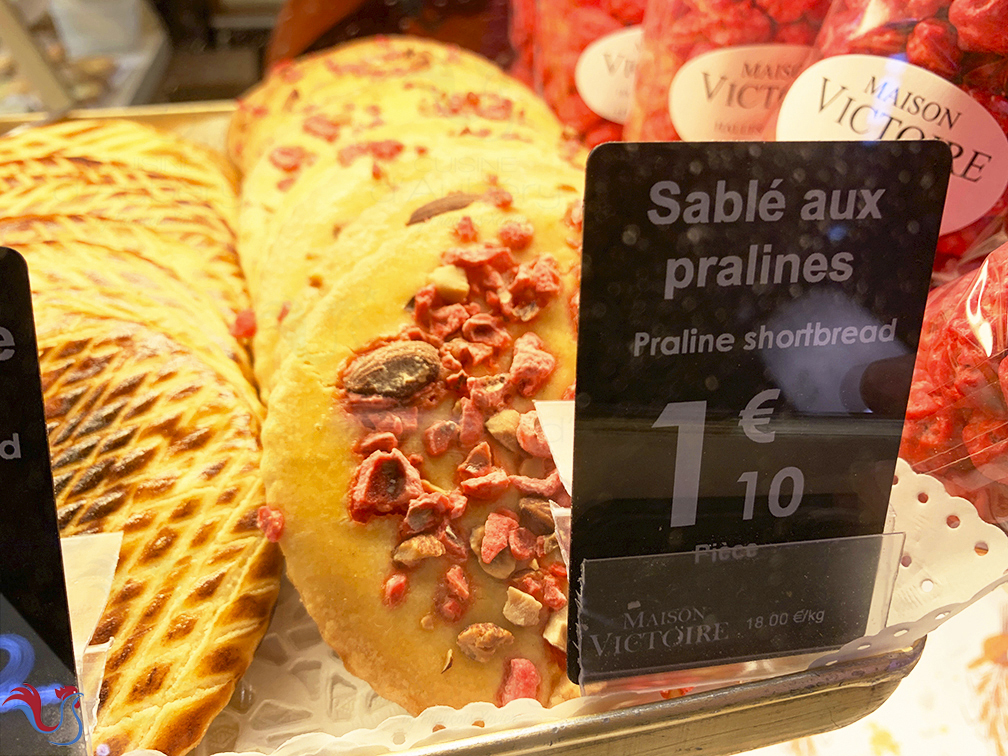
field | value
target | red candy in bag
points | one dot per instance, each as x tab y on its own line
717	69
522	33
918	69
957	418
585	61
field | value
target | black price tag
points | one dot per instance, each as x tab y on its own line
39	700
749	322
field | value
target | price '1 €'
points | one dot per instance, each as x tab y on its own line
689	418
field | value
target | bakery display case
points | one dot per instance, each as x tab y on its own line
297	349
717	721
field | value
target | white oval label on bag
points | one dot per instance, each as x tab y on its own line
604	74
728	95
865	98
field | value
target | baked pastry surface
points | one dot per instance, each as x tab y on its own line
347	554
152	415
149	441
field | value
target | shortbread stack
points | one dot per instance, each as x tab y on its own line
410	231
153	419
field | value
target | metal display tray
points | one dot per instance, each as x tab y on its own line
712	723
716	723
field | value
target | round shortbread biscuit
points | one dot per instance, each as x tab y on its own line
373	122
153	422
308	259
350	72
340	557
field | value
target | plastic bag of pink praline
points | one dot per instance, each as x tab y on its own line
918	69
714	70
585	59
957	418
522	35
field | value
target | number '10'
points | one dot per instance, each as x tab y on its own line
798	487
689	419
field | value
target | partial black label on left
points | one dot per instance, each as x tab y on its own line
40	709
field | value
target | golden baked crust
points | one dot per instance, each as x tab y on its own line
87	171
70	186
340	562
121	141
191	257
307	258
147	440
356	72
415	142
80	277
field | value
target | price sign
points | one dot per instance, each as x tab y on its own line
39	700
748	327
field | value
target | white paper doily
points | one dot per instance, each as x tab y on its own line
951	558
295	685
297	698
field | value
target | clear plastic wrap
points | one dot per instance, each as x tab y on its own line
742	56
918	69
957	418
566	29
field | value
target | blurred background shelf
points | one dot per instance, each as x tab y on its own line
51	58
145	68
240	15
199	50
